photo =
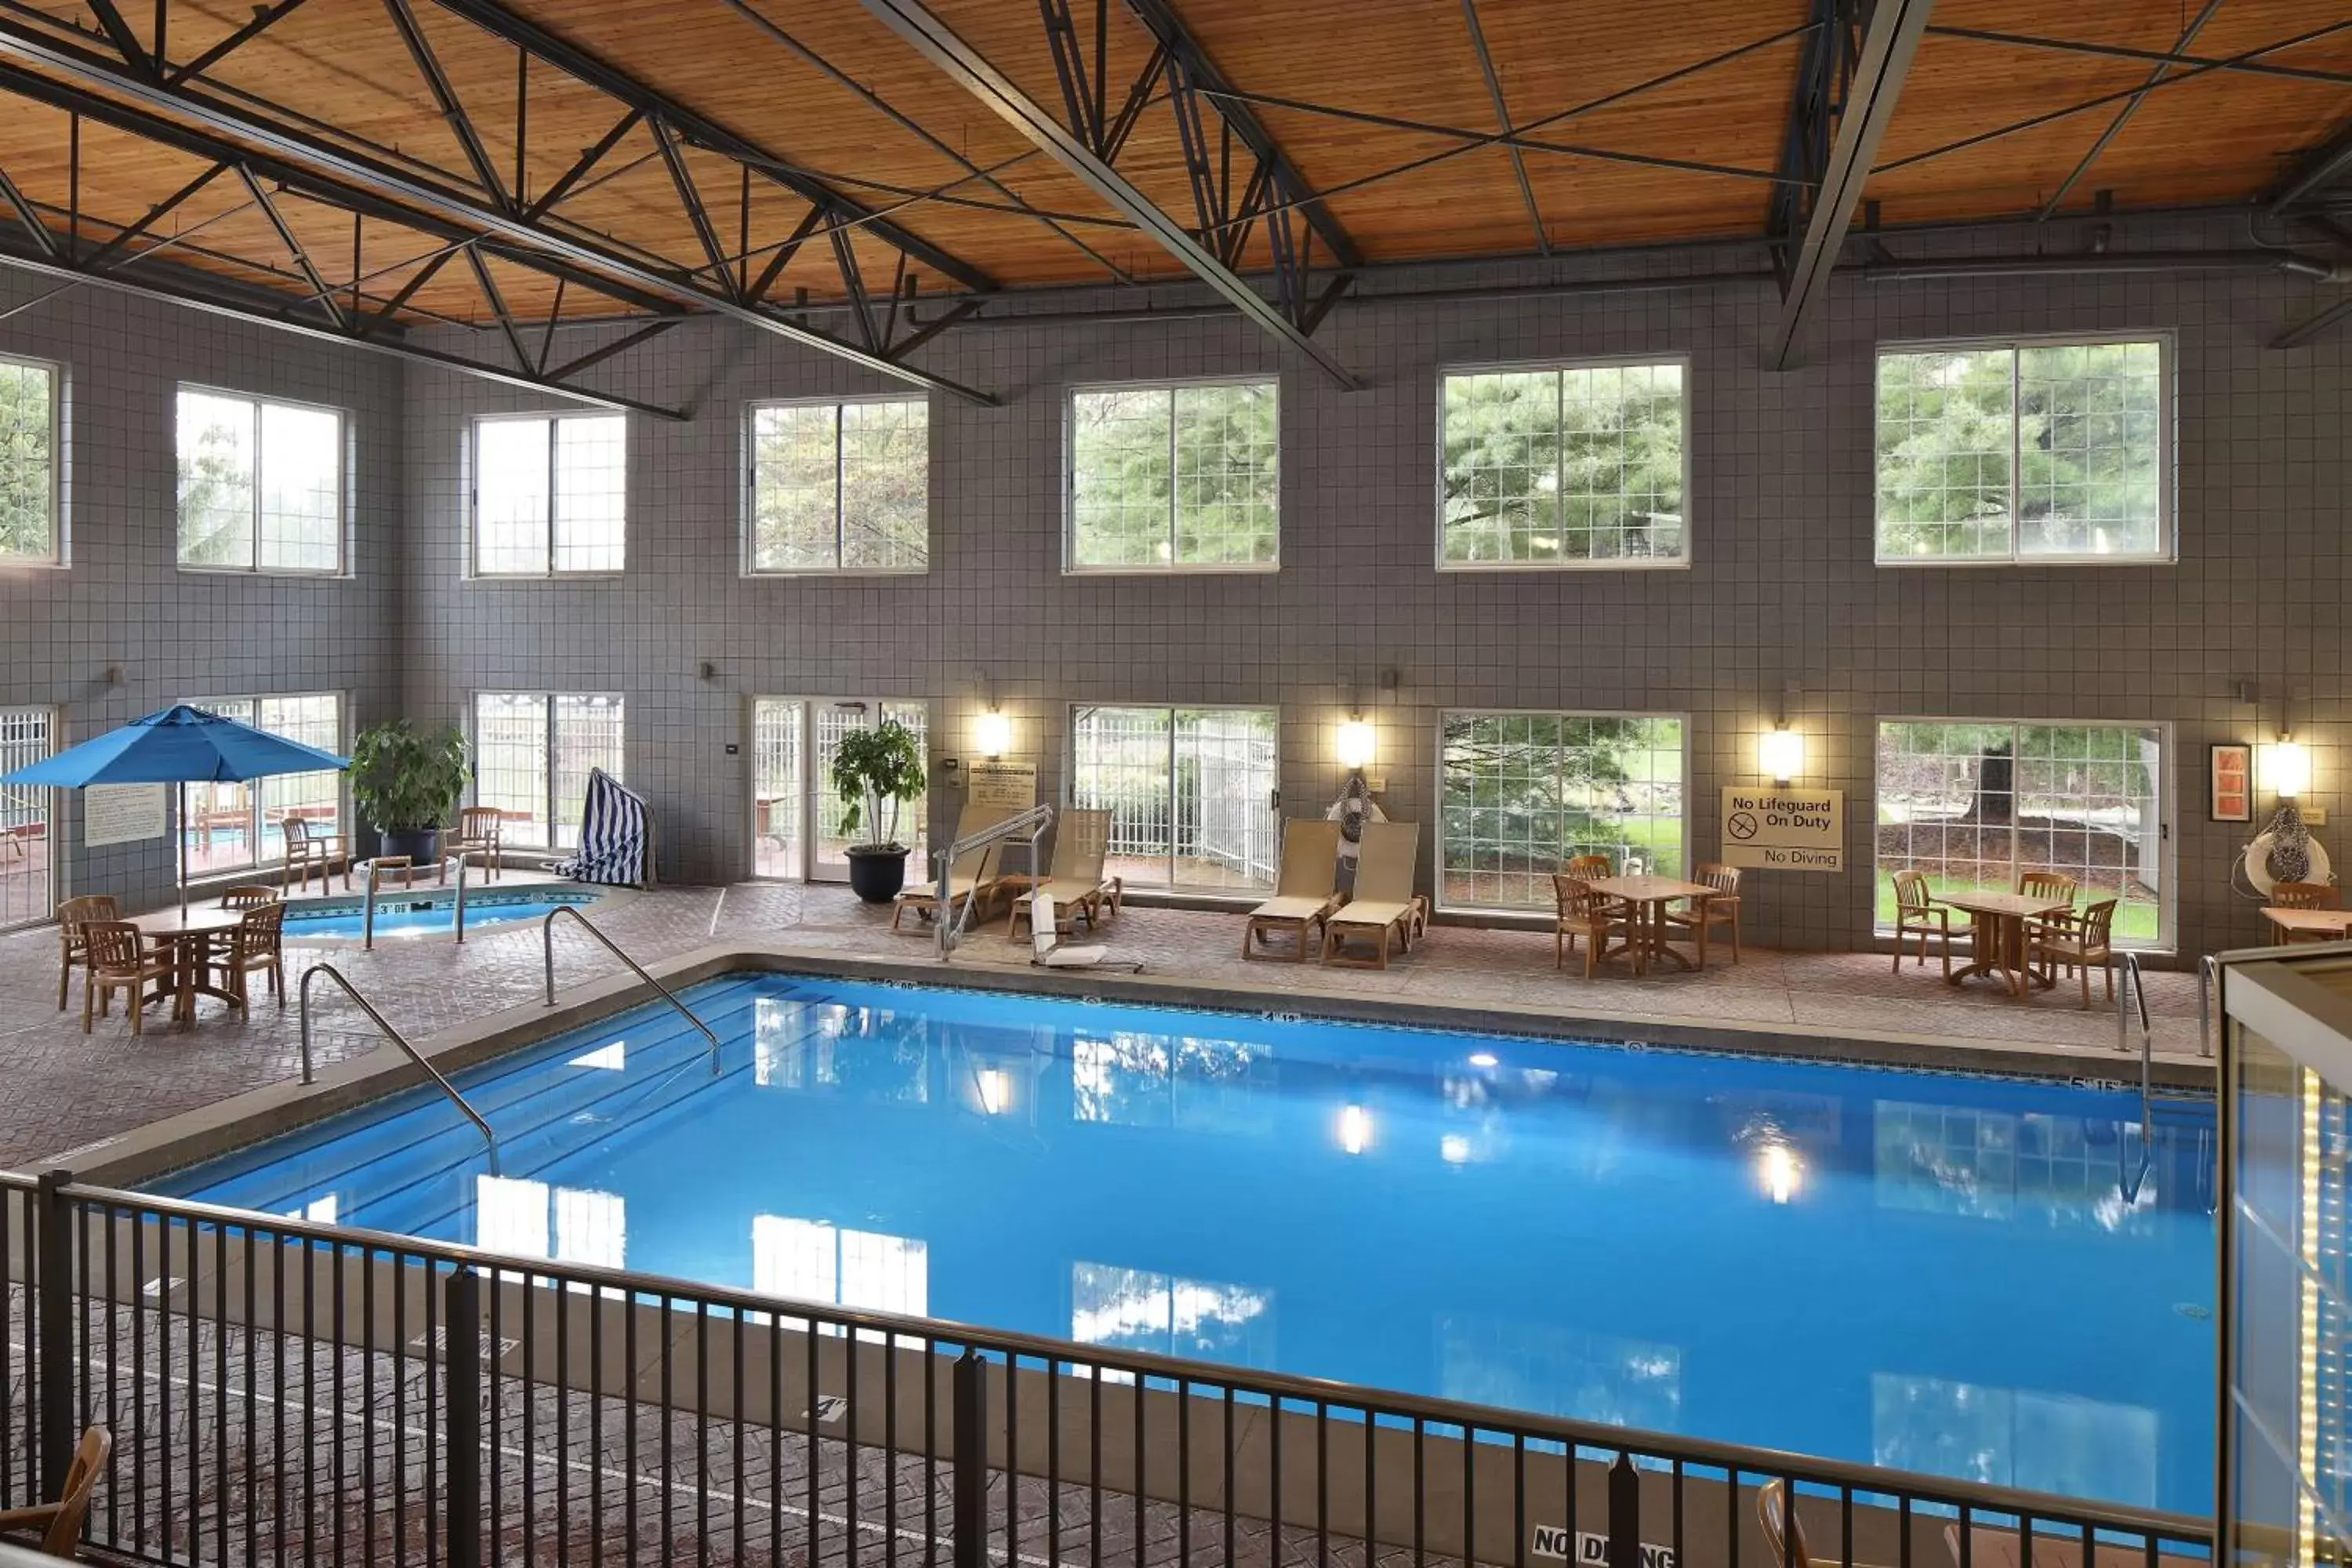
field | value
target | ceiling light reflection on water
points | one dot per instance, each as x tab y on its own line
1940	1273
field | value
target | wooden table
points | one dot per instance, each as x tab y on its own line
2309	925
190	938
1998	934
1647	897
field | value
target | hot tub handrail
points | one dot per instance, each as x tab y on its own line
459	857
397	1038
547	939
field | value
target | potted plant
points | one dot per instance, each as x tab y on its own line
873	768
407	782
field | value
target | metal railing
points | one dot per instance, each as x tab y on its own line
2131	989
547	940
948	917
384	1026
281	1390
2209	972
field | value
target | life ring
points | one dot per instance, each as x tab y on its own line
2258	862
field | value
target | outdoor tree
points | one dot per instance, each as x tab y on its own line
1548	466
1184	475
215	482
26	463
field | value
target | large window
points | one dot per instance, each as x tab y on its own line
1192	793
1174	478
27	851
233	825
261	484
532	754
1972	804
840	487
28	463
549	494
1580	464
792	744
2025	451
1520	794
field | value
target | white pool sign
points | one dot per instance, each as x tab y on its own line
123	814
1784	830
1554	1540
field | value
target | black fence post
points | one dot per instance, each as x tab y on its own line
54	1314
969	1455
1625	1513
461	1327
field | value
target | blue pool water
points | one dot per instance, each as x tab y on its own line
1938	1273
423	911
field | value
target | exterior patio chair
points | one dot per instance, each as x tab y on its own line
1305	891
478	833
257	945
1721	910
73	948
2077	942
249	898
1580	913
60	1522
1917	913
1385	904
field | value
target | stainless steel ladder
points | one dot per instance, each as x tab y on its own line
2131	990
397	1038
547	939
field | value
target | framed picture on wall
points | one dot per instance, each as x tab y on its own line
2233	783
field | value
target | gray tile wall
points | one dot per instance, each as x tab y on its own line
122	602
1781	588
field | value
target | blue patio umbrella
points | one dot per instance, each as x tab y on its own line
181	745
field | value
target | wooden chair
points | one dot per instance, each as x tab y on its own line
1721	910
1580	913
1590	867
1918	913
72	916
59	1523
249	898
2077	942
1384	903
306	847
2046	885
119	961
478	834
1305	891
257	944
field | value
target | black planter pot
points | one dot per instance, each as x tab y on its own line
876	875
420	845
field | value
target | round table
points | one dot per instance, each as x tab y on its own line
190	938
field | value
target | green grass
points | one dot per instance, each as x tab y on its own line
2140	924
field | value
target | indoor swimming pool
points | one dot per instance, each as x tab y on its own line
426	911
1966	1275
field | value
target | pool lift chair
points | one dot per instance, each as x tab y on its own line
1049	951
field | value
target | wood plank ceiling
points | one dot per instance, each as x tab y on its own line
1656	125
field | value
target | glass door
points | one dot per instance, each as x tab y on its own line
1192	793
797	819
27	844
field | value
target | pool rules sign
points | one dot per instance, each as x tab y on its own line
1784	830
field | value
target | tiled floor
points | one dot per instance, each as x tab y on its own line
61	1089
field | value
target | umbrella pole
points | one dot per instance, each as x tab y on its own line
183	853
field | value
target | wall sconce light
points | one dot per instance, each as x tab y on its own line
1780	752
994	734
2290	767
1356	743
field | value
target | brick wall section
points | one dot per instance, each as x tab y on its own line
123	601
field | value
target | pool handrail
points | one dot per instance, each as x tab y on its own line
2209	969
397	1038
1031	824
547	942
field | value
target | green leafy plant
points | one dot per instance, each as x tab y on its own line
404	779
873	769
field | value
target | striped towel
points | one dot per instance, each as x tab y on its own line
617	836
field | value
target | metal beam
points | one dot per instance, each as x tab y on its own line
2246	64
1158	17
160	210
446	99
261	23
2295	337
321	290
703	132
2318	168
200	292
2123	116
938	43
1502	122
359	182
1887	50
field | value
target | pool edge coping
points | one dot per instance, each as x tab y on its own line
224	1126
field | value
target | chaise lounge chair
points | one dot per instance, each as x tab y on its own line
1384	901
1075	880
1305	893
974	875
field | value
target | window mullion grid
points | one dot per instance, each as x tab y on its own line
553	509
253	563
2016	492
2016	747
840	487
1175	505
1169	775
